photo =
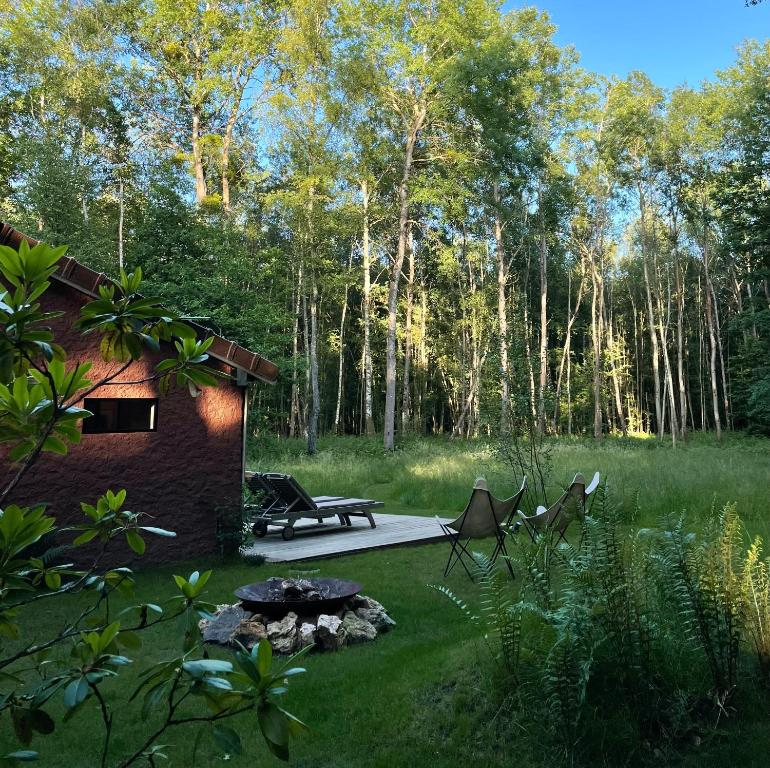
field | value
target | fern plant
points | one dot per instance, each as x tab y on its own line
498	616
755	592
706	585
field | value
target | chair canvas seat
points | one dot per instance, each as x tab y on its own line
483	517
571	505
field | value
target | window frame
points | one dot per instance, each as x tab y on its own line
92	419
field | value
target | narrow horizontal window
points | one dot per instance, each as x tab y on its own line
125	414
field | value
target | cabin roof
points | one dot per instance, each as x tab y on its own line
72	273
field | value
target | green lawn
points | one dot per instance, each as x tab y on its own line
417	695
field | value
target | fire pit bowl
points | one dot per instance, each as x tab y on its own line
276	597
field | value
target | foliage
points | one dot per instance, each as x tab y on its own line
38	413
706	586
499	617
625	623
245	156
755	599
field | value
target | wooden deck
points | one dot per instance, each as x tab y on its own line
314	541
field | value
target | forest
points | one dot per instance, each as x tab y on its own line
426	212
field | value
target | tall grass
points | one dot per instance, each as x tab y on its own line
434	475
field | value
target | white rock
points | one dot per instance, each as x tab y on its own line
283	634
329	633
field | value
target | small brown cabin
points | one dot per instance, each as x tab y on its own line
180	458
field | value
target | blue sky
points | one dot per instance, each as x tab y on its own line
673	41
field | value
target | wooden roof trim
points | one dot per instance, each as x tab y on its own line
72	273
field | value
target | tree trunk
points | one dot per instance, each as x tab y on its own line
720	349
294	413
651	321
502	310
121	214
566	351
543	333
225	158
406	401
315	407
418	120
341	361
614	371
663	323
712	343
596	339
200	178
680	349
367	312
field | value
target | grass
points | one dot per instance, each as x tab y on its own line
433	476
420	695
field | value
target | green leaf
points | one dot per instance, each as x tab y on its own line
201	667
264	658
41	722
227	740
275	728
135	541
75	693
158	531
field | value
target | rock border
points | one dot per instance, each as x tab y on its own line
360	620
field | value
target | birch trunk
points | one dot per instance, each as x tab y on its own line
121	216
596	338
341	360
680	349
502	309
294	413
566	351
418	120
712	342
406	400
200	178
543	333
367	311
315	406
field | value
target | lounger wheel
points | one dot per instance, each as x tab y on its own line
287	533
259	530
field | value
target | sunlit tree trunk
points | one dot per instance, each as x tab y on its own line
341	358
543	332
654	351
566	351
612	353
417	122
367	312
680	349
712	341
502	309
200	178
597	298
406	401
295	426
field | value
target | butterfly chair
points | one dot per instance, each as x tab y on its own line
557	518
484	516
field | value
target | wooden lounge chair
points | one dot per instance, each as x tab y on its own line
484	516
259	483
557	518
291	503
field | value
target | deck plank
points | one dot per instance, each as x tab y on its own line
314	541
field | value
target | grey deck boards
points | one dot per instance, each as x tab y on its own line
314	541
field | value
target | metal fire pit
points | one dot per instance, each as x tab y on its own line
257	598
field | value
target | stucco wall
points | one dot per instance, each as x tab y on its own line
177	475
